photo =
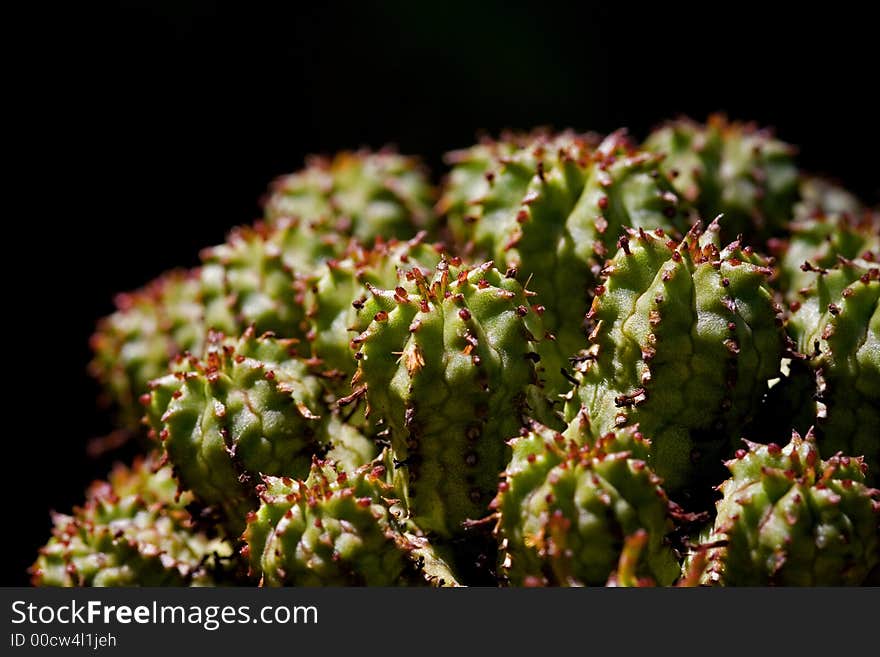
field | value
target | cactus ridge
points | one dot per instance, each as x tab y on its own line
446	363
684	337
823	241
150	326
836	328
254	278
731	168
336	298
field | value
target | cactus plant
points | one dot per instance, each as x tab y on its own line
333	528
336	298
446	362
133	530
551	207
685	336
564	511
730	168
258	276
820	241
789	518
249	407
361	194
332	395
150	326
820	196
251	279
836	328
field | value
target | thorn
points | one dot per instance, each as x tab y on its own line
357	394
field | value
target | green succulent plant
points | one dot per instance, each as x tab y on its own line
335	300
565	511
447	363
552	206
253	279
361	194
334	529
133	530
532	377
836	328
685	336
730	168
822	241
249	407
790	518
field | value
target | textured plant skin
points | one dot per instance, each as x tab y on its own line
150	326
343	443
447	363
731	168
836	328
684	338
820	241
333	529
259	274
789	518
336	299
247	408
551	207
565	511
254	278
133	530
489	181
334	396
249	281
360	194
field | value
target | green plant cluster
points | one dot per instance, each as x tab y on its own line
577	360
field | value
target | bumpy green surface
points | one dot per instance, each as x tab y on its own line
132	531
684	338
249	407
335	300
564	511
333	529
345	444
150	326
257	277
447	363
789	518
552	207
249	280
488	183
820	241
836	326
730	168
333	337
361	194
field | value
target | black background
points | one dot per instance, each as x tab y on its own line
151	128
